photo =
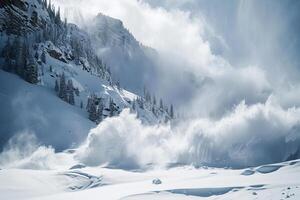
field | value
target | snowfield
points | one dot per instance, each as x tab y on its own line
277	181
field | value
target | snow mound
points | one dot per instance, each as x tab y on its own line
268	168
78	166
203	192
248	172
82	181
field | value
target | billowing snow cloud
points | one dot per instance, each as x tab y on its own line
184	55
24	151
189	36
249	136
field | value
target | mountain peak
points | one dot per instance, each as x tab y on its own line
110	20
110	31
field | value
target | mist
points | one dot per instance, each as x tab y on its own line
249	136
203	48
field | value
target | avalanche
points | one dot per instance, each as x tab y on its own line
79	117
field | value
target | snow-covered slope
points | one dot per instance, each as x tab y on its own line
41	49
36	109
277	181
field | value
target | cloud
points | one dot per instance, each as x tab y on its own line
188	68
127	145
249	136
184	56
221	92
173	33
25	152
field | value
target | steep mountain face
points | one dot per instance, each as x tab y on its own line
110	32
20	17
71	87
134	66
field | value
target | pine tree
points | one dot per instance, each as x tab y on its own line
111	108
36	55
17	54
145	91
38	37
133	105
141	103
161	105
62	88
46	33
56	88
88	104
100	112
45	3
57	17
153	110
118	85
7	63
43	57
65	24
70	92
49	6
42	68
93	111
76	91
6	53
81	104
148	98
171	112
31	72
77	53
23	59
154	100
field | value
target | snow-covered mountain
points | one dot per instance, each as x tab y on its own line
59	80
134	66
73	81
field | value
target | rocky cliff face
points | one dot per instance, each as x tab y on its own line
20	17
112	40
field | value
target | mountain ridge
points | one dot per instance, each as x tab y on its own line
61	57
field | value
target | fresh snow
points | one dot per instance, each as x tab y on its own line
39	111
180	183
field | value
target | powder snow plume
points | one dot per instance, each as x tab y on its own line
249	136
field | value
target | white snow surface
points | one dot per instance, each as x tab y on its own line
35	109
184	182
